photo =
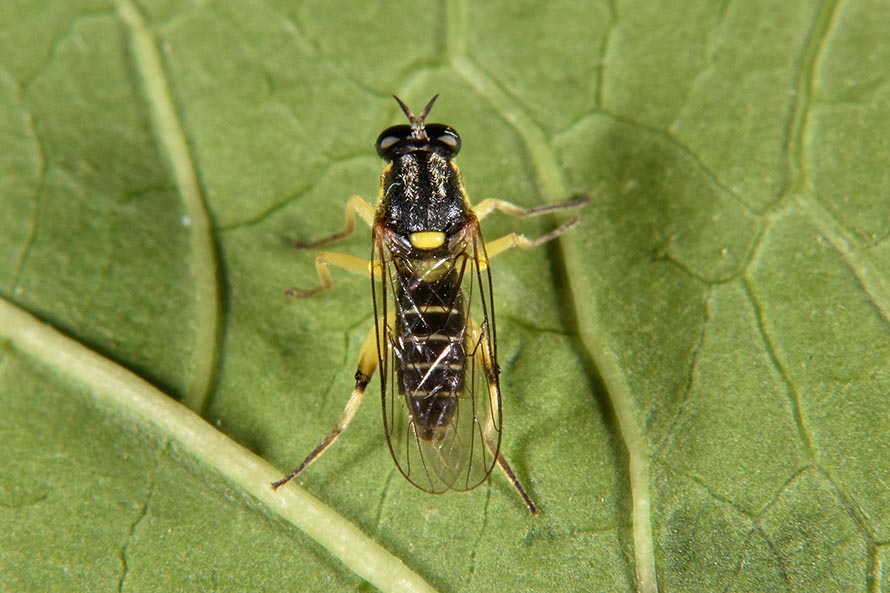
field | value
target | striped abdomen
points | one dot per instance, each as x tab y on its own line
431	323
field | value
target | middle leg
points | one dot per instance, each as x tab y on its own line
332	258
493	248
489	205
355	205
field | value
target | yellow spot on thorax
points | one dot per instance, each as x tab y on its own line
427	240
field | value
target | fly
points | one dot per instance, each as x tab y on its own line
434	340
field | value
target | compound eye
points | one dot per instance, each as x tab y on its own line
445	136
390	138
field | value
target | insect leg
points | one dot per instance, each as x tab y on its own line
489	205
493	248
355	205
483	356
508	471
505	467
332	258
367	366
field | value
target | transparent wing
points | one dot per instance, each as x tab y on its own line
438	365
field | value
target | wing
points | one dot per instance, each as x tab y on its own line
438	365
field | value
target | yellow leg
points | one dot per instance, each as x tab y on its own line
332	258
493	248
355	205
489	205
367	366
478	335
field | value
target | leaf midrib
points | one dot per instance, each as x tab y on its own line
113	385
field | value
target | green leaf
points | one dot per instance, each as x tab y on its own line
695	378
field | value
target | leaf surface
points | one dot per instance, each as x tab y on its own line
695	378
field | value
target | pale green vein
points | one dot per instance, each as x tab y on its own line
52	49
548	174
796	406
867	272
605	43
114	386
798	179
609	366
172	141
143	513
695	352
550	180
686	151
36	197
456	31
880	574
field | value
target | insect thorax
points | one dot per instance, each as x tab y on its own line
422	191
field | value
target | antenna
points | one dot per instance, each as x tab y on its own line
416	121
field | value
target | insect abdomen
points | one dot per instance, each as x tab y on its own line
432	354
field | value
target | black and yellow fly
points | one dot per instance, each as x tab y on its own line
434	339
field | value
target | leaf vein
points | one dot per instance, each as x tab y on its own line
36	200
550	178
171	138
797	411
669	138
112	385
474	550
690	379
65	35
605	44
868	274
143	512
796	176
